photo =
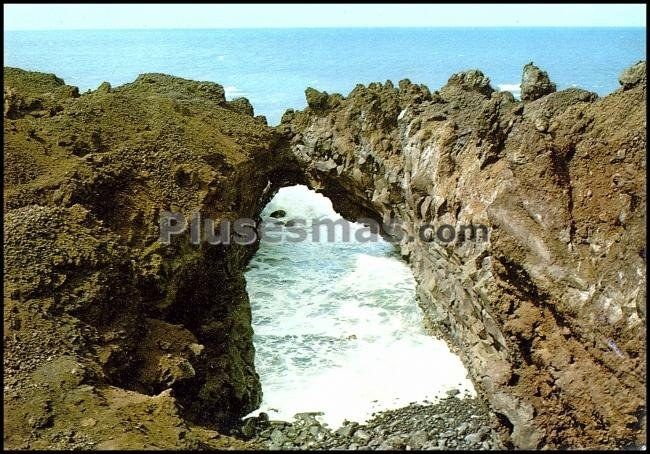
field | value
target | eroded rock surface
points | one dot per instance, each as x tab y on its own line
549	312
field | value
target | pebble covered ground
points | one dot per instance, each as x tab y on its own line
455	422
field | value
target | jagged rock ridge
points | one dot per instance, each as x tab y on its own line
549	314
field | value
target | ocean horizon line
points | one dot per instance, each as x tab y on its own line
333	27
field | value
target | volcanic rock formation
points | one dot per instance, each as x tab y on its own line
549	313
114	340
100	318
535	83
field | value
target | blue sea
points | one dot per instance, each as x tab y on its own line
272	67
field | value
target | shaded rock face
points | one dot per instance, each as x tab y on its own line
549	313
315	98
535	83
114	340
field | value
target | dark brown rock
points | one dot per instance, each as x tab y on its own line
548	314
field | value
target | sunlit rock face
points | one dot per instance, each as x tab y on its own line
549	313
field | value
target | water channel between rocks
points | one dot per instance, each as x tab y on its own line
337	326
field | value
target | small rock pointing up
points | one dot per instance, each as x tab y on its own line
535	83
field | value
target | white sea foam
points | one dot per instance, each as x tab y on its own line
233	92
337	327
509	87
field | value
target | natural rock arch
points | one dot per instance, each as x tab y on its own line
547	315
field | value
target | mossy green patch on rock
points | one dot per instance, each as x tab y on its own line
85	179
37	84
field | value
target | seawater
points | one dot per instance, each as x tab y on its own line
272	67
337	325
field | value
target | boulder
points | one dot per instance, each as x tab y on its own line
278	214
633	76
316	99
472	80
535	83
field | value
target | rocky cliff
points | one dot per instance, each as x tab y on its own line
549	312
113	340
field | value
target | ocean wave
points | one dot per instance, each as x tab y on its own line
509	87
346	336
